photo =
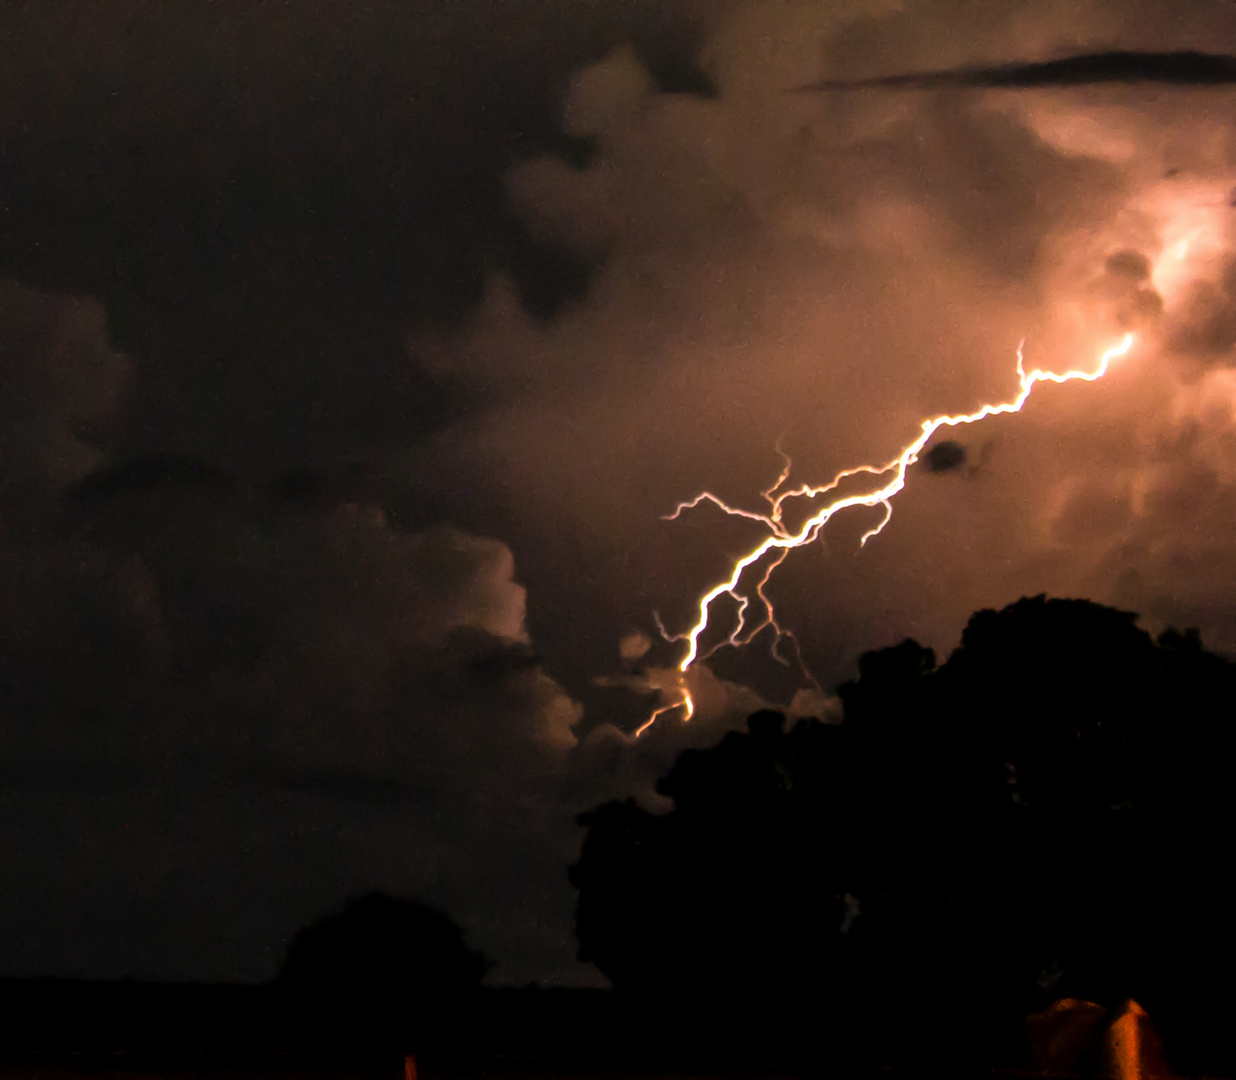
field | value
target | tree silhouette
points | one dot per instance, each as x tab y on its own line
717	896
1045	814
383	957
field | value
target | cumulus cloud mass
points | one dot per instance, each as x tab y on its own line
245	699
821	272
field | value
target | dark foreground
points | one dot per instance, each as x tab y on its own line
57	1029
302	1067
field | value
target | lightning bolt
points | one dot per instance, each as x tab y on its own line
686	702
781	539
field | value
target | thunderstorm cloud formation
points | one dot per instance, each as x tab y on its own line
345	400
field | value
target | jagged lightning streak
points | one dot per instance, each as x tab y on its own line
781	539
687	704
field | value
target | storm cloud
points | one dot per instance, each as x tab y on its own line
352	362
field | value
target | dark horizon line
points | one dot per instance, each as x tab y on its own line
1173	68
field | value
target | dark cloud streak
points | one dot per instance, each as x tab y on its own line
1171	68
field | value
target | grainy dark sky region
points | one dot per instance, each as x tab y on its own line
351	354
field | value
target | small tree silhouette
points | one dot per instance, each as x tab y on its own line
382	948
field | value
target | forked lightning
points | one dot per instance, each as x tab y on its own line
781	539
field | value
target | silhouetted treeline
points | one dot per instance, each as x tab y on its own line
1047	814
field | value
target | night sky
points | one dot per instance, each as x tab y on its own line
351	355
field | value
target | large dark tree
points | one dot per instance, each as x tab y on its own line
1045	814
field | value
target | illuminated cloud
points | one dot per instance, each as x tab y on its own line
827	272
634	645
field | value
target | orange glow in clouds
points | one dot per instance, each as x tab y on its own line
1195	231
774	548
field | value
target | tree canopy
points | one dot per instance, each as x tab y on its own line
1045	814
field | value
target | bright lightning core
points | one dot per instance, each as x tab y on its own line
889	479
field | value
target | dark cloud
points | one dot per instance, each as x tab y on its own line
203	692
265	202
258	696
1126	289
1175	69
945	456
138	474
